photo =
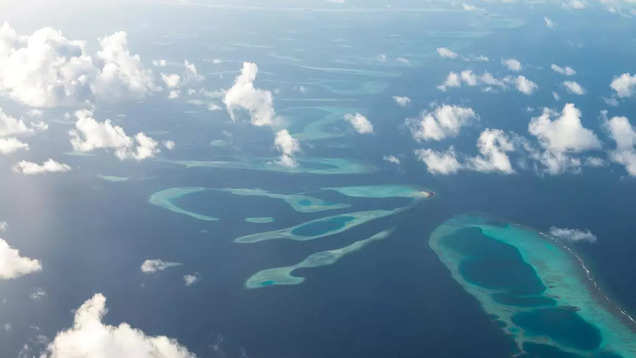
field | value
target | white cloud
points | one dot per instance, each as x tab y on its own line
565	133
446	52
171	80
89	134
155	265
169	144
574	88
11	145
624	135
548	22
37	294
11	126
45	69
90	337
452	80
122	75
243	95
574	4
287	146
391	159
561	137
439	162
49	166
402	101
524	85
359	122
573	235
444	121
567	71
12	265
493	144
467	77
624	85
512	64
191	279
3	226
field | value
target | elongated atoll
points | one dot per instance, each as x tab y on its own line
318	166
165	199
319	228
537	288
283	275
383	191
299	202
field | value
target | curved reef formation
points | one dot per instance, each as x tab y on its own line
165	199
299	202
319	228
538	289
283	275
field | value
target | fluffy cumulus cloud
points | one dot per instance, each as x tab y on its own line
156	265
49	166
624	135
560	135
288	146
244	96
10	145
45	69
11	128
573	235
439	162
391	159
402	101
512	64
444	121
493	144
191	279
359	122
524	85
90	134
122	74
624	85
488	82
446	52
90	337
175	82
12	265
574	4
567	71
574	87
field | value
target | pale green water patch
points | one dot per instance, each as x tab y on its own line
260	220
112	178
319	228
283	275
383	191
536	287
165	199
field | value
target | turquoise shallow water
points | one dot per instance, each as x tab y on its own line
535	287
284	275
